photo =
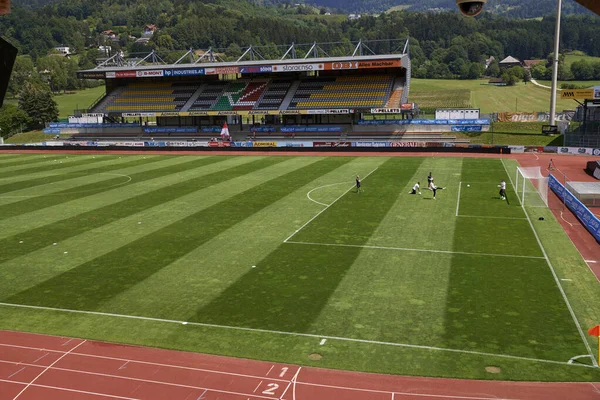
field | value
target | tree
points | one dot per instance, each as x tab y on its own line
539	71
493	69
12	120
23	71
582	70
37	102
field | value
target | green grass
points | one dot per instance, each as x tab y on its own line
32	137
571	58
80	99
401	278
436	93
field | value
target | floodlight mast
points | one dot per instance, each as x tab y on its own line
555	62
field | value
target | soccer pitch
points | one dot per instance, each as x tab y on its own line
279	258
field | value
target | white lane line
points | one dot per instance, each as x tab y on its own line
320	187
123	366
268	331
73	390
563	218
416	250
39	358
322	342
572	360
14	373
458	197
270	369
415	394
326	207
47	368
565	279
257	386
291	383
209	371
562	291
127	378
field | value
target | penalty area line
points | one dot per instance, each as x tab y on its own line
416	250
554	275
297	334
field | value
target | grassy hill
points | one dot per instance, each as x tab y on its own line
436	93
81	99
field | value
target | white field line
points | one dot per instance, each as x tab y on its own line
416	250
563	218
47	368
458	198
72	390
162	365
127	378
492	217
572	360
556	279
268	331
320	187
326	207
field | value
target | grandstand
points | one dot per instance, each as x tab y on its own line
328	97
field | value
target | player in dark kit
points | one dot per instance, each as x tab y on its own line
358	189
429	181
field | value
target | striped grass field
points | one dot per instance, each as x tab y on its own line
264	257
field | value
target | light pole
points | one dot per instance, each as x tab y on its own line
555	64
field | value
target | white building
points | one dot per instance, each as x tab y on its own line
66	50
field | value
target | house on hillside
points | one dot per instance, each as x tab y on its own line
532	63
353	16
509	62
64	50
149	30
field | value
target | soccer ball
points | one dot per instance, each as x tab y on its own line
468	185
419	193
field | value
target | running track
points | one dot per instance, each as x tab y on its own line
34	367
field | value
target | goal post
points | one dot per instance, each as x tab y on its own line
531	187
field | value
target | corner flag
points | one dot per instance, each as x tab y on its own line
595	331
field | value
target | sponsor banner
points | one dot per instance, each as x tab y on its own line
517	149
448	144
125	74
129	144
408	106
91	75
89	125
149	73
596	152
111	74
264	129
583	94
294	144
293	129
265	144
219	144
550	149
370	144
256	70
362	64
195	113
55	144
576	150
141	114
51	131
332	144
221	70
534	116
178	144
93	115
434	144
298	67
242	144
587	218
184	72
341	65
331	111
211	129
472	122
171	130
534	149
386	110
155	144
466	128
407	144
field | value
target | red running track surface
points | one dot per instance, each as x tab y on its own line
34	367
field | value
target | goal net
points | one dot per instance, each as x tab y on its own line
531	187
